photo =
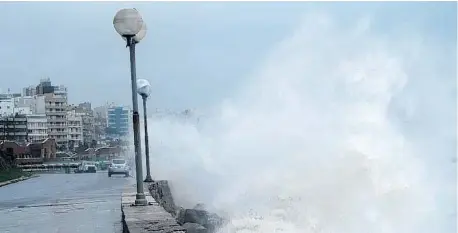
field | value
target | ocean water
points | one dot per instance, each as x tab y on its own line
338	130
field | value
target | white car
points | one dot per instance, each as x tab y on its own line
86	167
118	166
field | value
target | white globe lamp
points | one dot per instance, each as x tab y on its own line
128	22
143	87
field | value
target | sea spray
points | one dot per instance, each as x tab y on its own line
309	143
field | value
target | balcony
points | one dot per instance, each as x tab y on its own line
57	133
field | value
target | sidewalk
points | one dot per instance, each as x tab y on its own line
142	219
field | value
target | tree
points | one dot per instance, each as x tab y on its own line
85	146
93	144
80	147
71	145
63	148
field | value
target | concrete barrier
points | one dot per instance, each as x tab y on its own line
196	220
150	218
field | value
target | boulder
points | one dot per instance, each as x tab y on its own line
194	228
204	218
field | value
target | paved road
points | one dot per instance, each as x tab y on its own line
63	203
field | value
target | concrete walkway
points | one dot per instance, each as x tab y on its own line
150	218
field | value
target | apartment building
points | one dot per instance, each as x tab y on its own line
56	113
61	91
118	121
6	107
35	103
7	96
9	108
14	128
75	129
37	125
85	109
29	91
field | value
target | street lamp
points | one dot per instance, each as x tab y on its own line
129	23
144	90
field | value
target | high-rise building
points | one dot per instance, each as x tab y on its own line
37	125
29	91
87	115
75	128
56	113
118	121
61	91
44	87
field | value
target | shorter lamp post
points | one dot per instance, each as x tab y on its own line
144	90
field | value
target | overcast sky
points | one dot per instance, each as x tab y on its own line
194	54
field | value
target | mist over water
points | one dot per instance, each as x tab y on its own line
338	130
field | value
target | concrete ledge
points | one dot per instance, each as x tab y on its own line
195	220
17	180
150	218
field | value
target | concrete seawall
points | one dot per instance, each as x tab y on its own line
150	218
162	215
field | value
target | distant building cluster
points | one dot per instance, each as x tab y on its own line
42	114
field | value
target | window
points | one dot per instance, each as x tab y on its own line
119	161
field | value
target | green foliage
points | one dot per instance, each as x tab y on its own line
12	173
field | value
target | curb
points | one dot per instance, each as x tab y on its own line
22	178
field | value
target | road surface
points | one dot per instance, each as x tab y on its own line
63	203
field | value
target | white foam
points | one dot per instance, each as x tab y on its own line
308	144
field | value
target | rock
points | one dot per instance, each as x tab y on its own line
160	191
200	206
214	222
196	216
194	228
208	220
181	216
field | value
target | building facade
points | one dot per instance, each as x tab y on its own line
75	129
88	122
37	104
37	125
14	128
118	121
56	113
29	91
6	107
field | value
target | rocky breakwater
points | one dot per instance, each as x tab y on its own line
195	220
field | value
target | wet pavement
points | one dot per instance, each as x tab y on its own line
63	203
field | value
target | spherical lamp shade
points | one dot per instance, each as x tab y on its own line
140	35
143	87
128	22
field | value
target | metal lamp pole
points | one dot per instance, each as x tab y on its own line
145	122
128	23
144	90
140	197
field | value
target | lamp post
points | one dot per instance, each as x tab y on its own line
129	24
144	90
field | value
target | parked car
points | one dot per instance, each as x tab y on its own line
86	167
118	166
104	165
